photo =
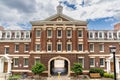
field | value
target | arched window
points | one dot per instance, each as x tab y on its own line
110	35
0	34
17	35
118	35
7	34
26	34
100	35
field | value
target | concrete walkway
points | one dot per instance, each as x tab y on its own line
4	76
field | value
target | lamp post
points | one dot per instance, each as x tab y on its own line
113	50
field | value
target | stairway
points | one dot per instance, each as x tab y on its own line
58	78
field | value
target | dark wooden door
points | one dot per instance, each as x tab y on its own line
5	67
112	66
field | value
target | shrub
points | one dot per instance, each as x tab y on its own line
38	68
108	75
97	70
77	68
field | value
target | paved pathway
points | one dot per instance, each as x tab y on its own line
4	76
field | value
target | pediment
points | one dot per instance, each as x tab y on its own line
59	17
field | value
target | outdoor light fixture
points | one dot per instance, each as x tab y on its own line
113	50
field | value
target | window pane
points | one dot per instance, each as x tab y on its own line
38	33
16	47
49	47
26	47
69	47
49	33
59	47
25	61
37	47
101	61
69	33
101	47
59	33
79	33
37	60
15	61
91	47
6	50
80	47
91	61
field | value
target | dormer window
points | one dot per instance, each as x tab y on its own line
0	34
8	34
17	34
110	35
100	35
118	34
27	34
91	35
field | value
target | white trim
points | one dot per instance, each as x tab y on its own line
102	34
19	70
93	47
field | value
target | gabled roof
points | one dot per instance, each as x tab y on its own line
59	15
53	19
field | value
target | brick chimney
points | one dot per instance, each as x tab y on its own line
117	26
1	28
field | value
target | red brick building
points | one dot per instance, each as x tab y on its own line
57	42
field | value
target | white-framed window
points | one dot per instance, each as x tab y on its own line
69	47
110	35
59	33
102	62
16	47
16	62
91	47
26	47
92	62
100	35
80	33
37	60
80	47
118	35
17	34
7	50
59	46
91	35
38	33
69	33
25	62
26	34
49	33
37	47
8	34
101	47
49	47
81	60
0	34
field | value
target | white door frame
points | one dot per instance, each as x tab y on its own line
3	59
109	60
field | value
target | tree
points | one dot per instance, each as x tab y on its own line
38	68
77	68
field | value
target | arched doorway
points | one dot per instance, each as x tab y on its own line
110	65
5	64
58	64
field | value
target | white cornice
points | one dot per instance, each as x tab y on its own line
103	40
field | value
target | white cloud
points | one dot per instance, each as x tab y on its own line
13	14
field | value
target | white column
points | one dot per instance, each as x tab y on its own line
108	66
117	66
9	66
0	66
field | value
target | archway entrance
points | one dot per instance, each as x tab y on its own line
59	65
5	64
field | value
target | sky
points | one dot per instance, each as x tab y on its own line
100	14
